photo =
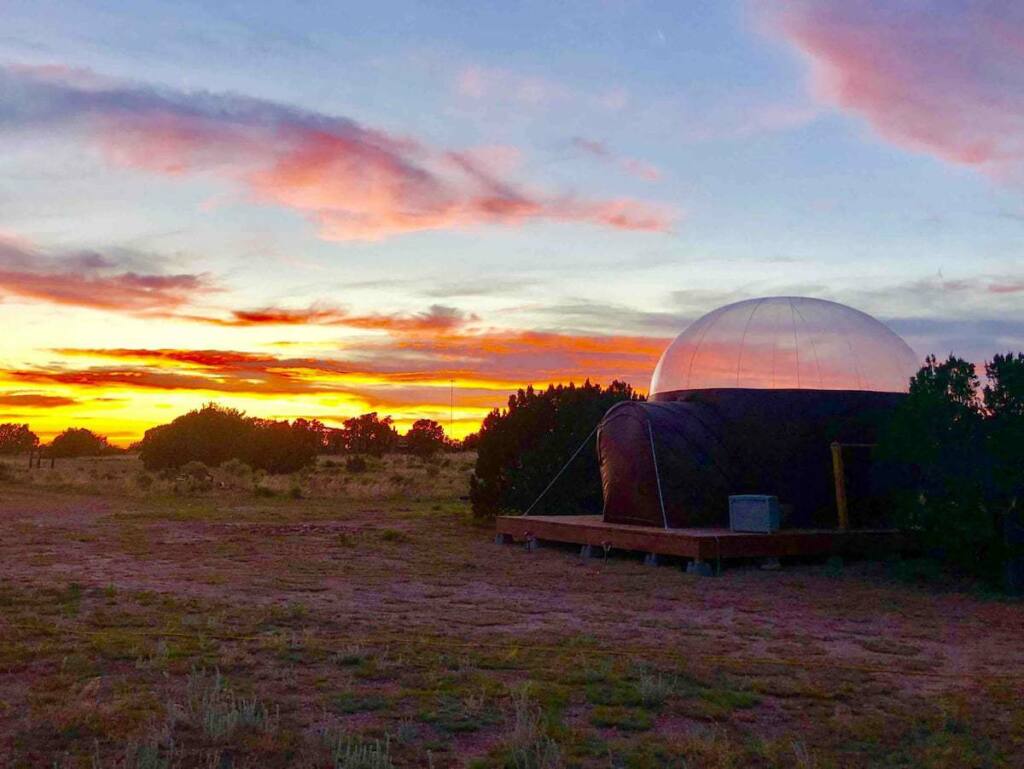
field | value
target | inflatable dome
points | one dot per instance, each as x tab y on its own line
786	342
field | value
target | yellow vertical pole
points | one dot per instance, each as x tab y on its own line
840	478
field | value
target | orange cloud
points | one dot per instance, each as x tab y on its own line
486	361
35	400
207	358
436	318
354	182
408	374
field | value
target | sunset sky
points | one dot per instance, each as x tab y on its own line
322	209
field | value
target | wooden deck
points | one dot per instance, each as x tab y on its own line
699	544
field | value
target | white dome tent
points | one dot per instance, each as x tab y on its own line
749	399
780	398
786	342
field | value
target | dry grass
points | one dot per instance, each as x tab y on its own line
368	622
441	477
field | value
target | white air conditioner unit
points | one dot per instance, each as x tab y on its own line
757	513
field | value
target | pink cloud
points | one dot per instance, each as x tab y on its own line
354	182
641	169
1007	287
947	80
476	83
599	149
89	279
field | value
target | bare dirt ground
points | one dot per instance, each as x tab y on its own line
369	622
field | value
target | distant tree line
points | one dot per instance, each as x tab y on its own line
214	435
956	449
73	442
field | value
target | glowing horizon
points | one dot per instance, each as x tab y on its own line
323	213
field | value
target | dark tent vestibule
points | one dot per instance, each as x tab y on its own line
673	462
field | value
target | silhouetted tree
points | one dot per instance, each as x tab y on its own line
334	440
425	437
521	448
213	435
79	442
1004	407
16	439
368	434
314	430
279	447
959	456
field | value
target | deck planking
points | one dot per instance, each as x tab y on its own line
703	544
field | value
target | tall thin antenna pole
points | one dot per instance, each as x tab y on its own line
451	416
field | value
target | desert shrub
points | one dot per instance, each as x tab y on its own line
959	461
527	746
521	448
194	477
353	753
79	442
214	435
236	468
394	535
356	464
218	712
143	480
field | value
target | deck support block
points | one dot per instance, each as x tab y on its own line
586	551
501	539
651	559
770	564
699	568
532	544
